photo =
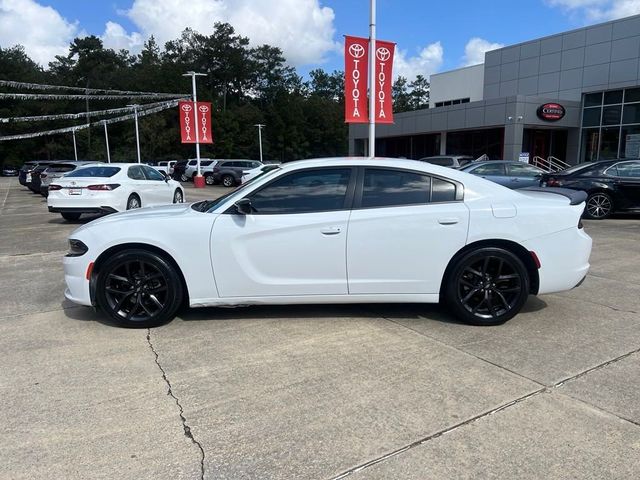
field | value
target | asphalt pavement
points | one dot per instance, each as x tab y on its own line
315	392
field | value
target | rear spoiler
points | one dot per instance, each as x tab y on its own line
576	197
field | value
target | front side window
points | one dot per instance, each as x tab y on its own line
152	174
304	192
390	188
629	169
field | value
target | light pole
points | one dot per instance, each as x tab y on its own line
106	140
75	148
135	116
198	181
260	127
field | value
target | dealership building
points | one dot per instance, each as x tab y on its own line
574	96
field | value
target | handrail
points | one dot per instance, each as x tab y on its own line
551	164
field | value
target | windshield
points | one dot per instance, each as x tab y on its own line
103	172
209	205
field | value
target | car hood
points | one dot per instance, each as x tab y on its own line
159	212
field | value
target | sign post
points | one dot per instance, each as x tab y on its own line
135	118
106	141
260	127
372	79
75	148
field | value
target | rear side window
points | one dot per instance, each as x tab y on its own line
205	163
628	169
136	173
61	168
103	172
443	191
523	170
388	188
304	192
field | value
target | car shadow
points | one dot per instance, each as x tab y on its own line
58	220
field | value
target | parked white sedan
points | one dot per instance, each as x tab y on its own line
111	188
336	231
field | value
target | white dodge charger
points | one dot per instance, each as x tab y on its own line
111	188
341	230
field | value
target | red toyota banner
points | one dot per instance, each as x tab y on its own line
356	53
192	118
384	79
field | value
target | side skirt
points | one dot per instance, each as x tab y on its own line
314	299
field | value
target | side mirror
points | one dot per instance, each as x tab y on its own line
243	206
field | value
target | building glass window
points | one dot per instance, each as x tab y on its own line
608	119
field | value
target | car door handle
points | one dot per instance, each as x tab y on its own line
331	231
448	221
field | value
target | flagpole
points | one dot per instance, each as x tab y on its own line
372	80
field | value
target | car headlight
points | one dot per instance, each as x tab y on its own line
76	248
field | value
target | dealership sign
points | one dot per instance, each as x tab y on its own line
195	116
356	60
551	112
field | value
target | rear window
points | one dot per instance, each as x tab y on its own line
27	166
61	168
443	162
103	172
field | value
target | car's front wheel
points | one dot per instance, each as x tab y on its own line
177	196
208	179
139	289
487	286
599	206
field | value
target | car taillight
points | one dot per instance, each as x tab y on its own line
54	187
104	186
553	182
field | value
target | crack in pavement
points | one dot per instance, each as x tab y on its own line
185	426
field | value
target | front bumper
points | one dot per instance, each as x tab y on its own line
75	276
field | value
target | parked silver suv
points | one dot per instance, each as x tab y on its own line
58	170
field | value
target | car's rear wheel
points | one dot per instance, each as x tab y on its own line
208	179
139	289
133	202
228	180
177	196
599	206
487	286
72	216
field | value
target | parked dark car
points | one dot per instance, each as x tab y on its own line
229	172
9	171
451	161
24	175
611	185
179	170
508	173
30	174
36	180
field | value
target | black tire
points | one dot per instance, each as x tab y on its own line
228	180
139	289
208	179
71	216
599	206
487	286
177	196
133	202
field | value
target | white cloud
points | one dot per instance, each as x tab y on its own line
428	61
301	28
116	37
599	10
475	49
42	31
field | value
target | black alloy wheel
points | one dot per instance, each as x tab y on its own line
138	289
177	196
487	286
133	202
228	180
599	206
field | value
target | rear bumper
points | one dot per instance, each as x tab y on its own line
104	209
564	259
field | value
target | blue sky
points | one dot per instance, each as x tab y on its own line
431	35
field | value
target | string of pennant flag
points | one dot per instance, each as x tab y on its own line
141	113
87	91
